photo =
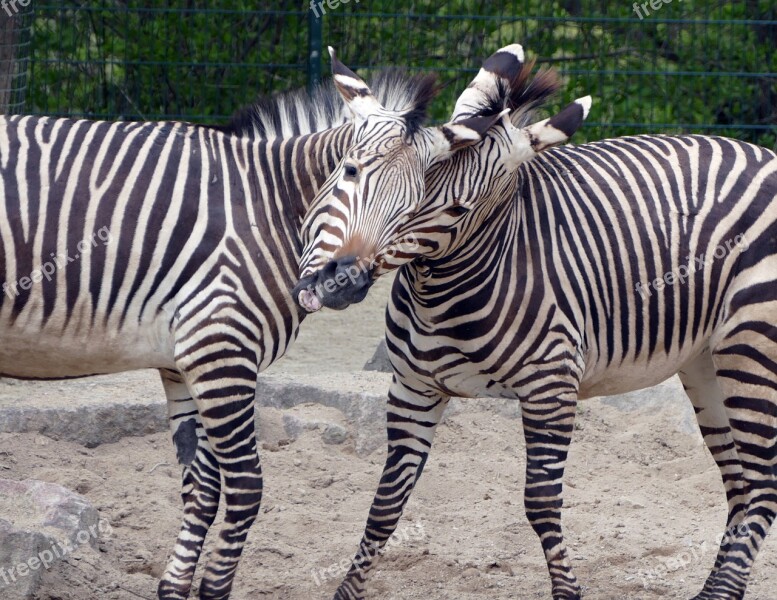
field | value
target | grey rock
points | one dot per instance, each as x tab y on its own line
359	397
295	424
270	427
380	360
334	434
42	523
365	411
17	547
87	425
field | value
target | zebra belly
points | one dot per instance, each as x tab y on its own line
637	374
32	352
468	381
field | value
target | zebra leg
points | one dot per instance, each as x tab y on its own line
548	424
200	490
700	383
745	360
412	419
224	386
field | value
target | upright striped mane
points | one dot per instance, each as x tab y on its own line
523	94
299	112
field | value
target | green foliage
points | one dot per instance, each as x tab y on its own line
706	66
109	60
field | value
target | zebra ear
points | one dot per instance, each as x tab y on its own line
492	80
355	92
462	133
560	127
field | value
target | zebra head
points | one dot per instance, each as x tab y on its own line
464	191
350	227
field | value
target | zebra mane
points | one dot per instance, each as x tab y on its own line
299	112
524	95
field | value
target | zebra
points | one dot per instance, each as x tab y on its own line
585	271
174	246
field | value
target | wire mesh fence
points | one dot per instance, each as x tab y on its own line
706	66
15	29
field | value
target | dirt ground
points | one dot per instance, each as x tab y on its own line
643	503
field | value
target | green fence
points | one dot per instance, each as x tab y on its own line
662	65
15	30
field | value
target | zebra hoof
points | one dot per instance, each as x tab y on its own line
209	594
167	591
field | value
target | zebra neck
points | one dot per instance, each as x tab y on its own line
483	249
295	169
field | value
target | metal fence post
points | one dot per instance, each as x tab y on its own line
315	24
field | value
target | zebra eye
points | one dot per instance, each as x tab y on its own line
457	211
351	171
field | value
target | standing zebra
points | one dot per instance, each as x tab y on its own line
173	246
587	271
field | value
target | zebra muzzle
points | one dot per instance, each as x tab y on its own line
337	285
308	300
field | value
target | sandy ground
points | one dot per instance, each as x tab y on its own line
640	498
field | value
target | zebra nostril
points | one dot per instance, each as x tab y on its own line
329	270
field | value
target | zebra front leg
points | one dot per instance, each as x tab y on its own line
224	386
200	489
548	424
700	383
412	419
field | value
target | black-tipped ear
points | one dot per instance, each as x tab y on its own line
469	131
506	62
480	125
489	89
348	83
353	89
339	68
570	118
560	127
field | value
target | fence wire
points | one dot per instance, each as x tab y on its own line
703	66
15	46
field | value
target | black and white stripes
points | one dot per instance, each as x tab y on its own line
176	247
586	271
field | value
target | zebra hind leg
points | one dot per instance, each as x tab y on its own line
548	424
224	388
701	386
411	422
200	489
745	358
